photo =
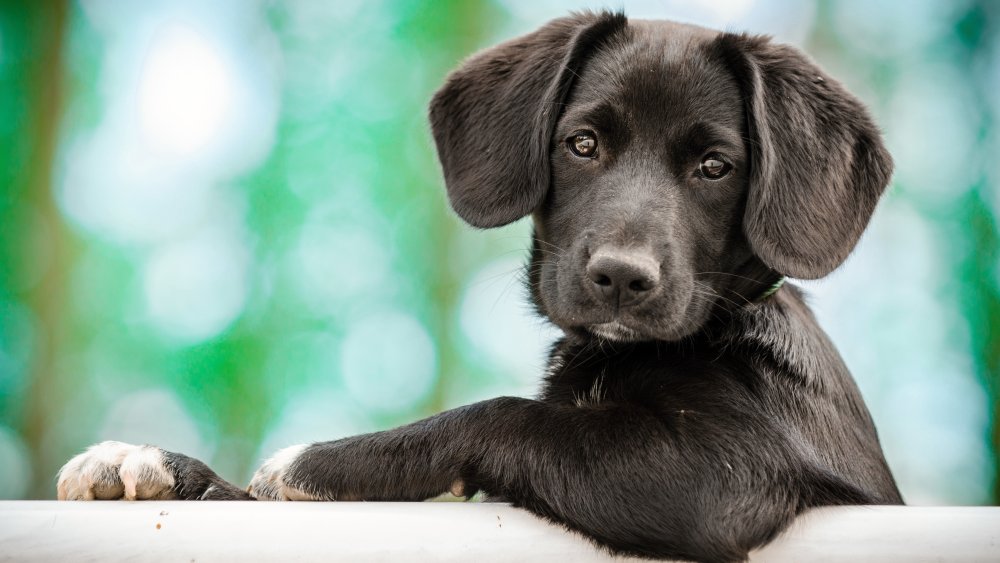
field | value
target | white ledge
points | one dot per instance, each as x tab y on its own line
360	532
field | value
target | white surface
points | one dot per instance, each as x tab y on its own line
362	532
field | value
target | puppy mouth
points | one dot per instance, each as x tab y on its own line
657	323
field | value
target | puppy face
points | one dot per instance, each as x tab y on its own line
649	178
669	169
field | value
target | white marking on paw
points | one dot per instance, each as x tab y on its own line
268	482
145	476
114	470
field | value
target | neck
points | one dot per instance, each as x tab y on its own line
752	282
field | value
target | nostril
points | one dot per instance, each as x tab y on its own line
640	285
602	280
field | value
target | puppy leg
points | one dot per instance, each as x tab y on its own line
115	470
620	475
340	471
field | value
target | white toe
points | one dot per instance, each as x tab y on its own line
268	482
145	476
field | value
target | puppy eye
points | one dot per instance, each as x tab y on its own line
713	167
583	144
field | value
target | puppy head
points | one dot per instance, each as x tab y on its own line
669	169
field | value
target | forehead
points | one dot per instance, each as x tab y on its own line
660	74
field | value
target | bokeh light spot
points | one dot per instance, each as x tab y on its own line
185	92
891	29
498	321
195	288
336	265
947	129
316	413
389	362
154	416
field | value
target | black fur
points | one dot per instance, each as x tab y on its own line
696	420
193	480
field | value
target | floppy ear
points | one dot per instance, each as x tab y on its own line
818	166
493	119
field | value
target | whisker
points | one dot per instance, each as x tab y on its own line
712	291
729	274
554	246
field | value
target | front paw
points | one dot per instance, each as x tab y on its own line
270	481
114	470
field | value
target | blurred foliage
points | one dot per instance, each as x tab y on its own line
223	229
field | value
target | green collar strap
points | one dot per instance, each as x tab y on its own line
771	290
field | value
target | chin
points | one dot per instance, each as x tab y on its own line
615	331
656	321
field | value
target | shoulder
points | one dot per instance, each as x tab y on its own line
782	333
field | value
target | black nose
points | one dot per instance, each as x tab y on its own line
623	277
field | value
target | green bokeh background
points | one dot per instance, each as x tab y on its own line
223	229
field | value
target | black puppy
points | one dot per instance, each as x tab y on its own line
694	408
